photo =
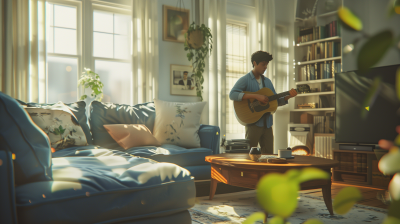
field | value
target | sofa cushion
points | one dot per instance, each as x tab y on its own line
109	113
106	189
60	124
79	110
178	123
173	154
26	140
131	135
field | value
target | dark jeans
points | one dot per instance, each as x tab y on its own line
261	135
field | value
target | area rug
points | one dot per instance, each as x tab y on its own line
235	207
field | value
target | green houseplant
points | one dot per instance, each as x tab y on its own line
198	43
91	80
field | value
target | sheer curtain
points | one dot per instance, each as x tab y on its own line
265	20
20	52
145	50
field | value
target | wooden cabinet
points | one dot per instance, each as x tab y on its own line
359	167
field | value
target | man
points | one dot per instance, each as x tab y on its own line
185	82
261	131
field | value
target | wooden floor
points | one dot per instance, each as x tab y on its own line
369	192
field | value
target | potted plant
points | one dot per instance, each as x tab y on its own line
91	80
198	43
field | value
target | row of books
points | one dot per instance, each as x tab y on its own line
323	50
324	70
331	29
323	146
349	162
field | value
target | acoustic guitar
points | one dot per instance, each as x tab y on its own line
251	110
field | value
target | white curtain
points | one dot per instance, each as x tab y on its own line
265	20
213	15
19	51
145	50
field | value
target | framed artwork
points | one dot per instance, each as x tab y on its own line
182	80
175	23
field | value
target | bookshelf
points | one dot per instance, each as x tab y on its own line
317	56
359	167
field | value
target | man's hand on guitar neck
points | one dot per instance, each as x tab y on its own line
263	99
292	93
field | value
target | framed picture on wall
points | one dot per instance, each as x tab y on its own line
182	80
175	23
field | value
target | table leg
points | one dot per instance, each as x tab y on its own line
213	187
326	193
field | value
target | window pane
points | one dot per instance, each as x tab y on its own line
122	46
103	22
102	45
65	41
117	80
50	39
122	24
65	16
62	79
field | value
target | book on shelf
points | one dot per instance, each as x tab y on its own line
331	29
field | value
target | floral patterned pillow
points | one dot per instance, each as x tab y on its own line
178	123
60	124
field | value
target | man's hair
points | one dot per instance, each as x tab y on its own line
186	72
260	56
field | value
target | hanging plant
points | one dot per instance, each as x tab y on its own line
198	43
91	80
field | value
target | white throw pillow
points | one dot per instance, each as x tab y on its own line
178	123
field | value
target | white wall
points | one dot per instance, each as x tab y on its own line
171	53
284	18
373	14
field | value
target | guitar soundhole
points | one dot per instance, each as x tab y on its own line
257	106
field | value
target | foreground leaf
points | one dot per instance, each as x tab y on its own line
348	18
394	187
345	199
277	194
391	220
371	96
389	163
311	173
257	216
394	7
313	221
394	209
276	220
374	49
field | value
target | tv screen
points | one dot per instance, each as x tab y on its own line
382	115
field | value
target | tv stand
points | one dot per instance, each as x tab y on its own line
356	147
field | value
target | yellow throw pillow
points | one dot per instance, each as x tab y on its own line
131	135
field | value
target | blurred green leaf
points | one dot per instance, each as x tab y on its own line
347	17
391	220
311	173
345	199
257	216
374	49
276	220
397	141
394	187
394	209
313	221
371	96
277	194
389	163
398	82
394	7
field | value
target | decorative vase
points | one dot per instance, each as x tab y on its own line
255	154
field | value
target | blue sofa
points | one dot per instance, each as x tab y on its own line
101	182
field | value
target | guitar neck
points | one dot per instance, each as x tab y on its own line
277	96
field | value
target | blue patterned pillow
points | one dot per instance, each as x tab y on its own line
27	141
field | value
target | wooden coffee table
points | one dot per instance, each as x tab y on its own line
237	169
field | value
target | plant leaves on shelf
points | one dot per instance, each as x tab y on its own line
345	199
374	49
348	18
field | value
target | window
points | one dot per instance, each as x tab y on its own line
107	30
236	66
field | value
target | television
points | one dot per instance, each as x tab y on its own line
380	118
